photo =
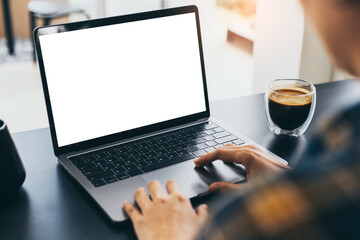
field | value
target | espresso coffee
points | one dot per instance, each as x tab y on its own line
289	107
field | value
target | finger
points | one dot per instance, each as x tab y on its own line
173	187
224	154
131	211
222	187
202	213
156	190
142	198
230	145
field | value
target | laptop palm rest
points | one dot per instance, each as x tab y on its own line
195	181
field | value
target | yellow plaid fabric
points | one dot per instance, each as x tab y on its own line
319	199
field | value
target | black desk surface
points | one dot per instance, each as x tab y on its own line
51	205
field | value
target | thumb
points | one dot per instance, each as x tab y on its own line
222	187
202	213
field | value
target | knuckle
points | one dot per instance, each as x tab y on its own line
139	221
161	200
180	198
218	152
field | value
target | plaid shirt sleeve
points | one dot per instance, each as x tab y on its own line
319	199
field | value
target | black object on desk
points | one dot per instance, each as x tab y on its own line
8	26
12	172
52	206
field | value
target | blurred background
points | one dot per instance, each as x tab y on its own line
247	43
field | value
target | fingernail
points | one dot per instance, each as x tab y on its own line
125	202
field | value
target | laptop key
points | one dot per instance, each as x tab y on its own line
200	140
141	164
190	143
162	158
129	167
226	139
162	139
209	138
182	140
152	142
173	142
209	132
238	142
111	179
202	146
92	171
192	149
135	172
111	159
152	161
85	166
211	143
218	129
209	149
172	155
118	170
121	176
192	137
161	152
151	155
122	150
121	156
143	150
133	153
171	137
153	148
108	166
221	134
163	145
119	163
201	134
100	155
159	165
99	162
140	157
180	146
90	158
111	152
171	149
210	126
129	160
182	152
100	175
98	183
199	153
132	147
142	145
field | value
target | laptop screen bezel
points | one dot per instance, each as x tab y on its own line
129	133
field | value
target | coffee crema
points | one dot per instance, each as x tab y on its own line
289	108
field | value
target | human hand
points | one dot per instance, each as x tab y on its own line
167	216
255	161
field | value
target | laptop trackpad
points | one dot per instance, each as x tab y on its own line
195	181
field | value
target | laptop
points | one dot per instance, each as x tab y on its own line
127	103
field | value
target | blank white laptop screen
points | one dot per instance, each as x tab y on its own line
114	78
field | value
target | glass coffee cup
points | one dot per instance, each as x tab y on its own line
290	106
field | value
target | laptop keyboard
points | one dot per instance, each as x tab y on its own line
120	162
